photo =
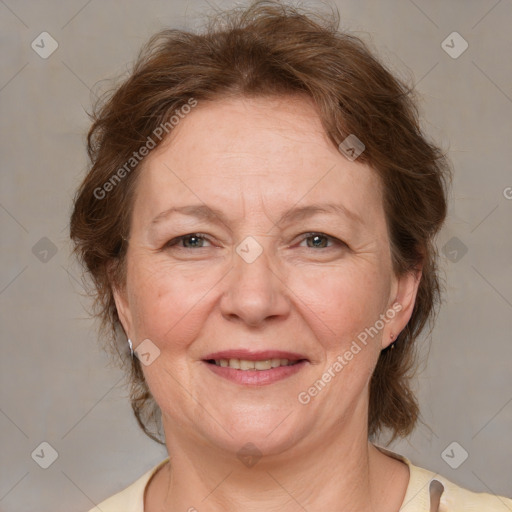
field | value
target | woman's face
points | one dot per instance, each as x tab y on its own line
294	263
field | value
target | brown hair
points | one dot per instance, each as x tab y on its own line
269	49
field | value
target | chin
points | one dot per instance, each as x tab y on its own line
265	434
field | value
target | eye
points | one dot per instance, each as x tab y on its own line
319	240
196	241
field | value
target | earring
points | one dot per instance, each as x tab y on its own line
131	347
392	344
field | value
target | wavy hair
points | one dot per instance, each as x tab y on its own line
269	49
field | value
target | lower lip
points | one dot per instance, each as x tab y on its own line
256	377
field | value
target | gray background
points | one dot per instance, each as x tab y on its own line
57	386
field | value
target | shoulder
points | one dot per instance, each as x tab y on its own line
431	491
450	497
426	491
130	499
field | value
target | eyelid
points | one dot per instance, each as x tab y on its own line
176	240
303	236
336	241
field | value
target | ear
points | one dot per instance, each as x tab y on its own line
123	309
405	289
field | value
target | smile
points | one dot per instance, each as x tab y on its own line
255	368
245	364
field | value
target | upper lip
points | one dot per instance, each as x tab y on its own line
255	356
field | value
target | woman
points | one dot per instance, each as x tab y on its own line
259	221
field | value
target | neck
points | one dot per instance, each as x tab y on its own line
334	474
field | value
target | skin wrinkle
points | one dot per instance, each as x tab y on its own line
308	300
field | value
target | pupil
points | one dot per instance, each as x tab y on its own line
194	238
317	238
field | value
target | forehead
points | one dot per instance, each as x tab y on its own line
270	151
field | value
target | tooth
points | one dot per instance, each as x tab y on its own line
263	365
234	363
246	365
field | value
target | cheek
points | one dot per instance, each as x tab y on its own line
171	302
340	302
167	299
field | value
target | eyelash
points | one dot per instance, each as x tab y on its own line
172	243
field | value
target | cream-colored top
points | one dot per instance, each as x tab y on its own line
426	492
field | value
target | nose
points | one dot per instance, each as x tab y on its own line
256	290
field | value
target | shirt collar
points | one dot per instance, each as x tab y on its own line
424	490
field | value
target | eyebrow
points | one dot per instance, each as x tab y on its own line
204	212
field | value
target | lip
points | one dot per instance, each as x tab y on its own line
255	356
256	377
